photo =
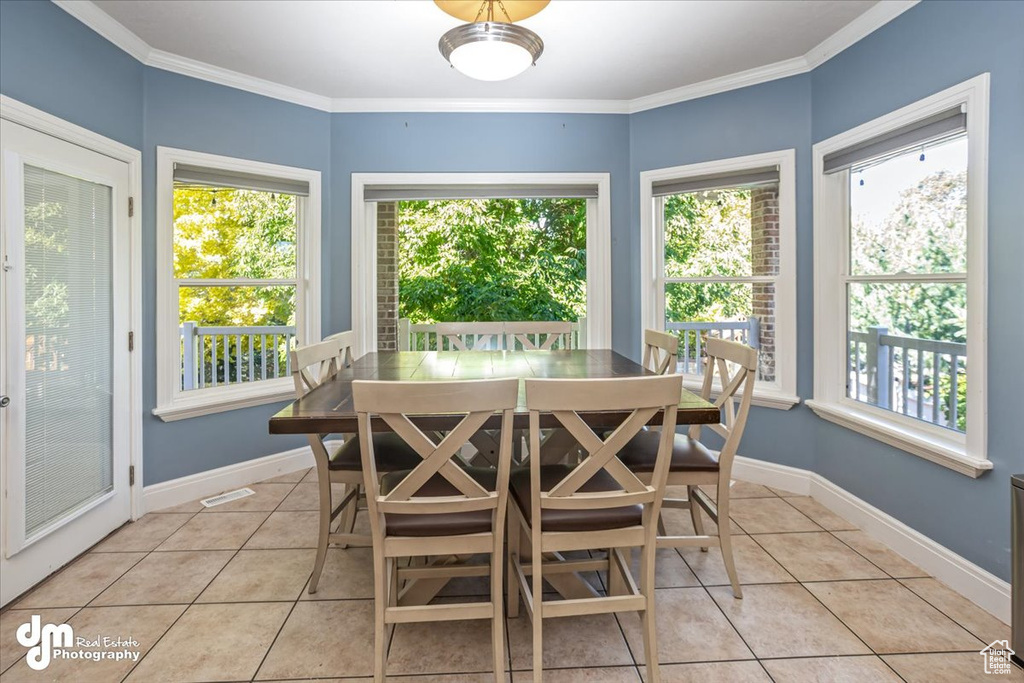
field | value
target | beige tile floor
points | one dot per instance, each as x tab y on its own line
219	595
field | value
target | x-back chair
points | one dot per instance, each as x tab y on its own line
538	336
693	464
596	504
438	507
661	351
313	365
470	336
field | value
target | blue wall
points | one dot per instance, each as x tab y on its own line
485	143
49	60
186	113
931	47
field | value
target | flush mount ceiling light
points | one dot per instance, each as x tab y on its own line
490	50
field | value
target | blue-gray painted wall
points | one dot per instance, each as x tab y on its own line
50	61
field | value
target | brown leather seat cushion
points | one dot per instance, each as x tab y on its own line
688	455
453	524
573	520
391	452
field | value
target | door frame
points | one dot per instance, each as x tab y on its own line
18	112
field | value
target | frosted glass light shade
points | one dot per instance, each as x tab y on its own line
491	51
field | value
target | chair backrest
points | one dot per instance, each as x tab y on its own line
642	398
470	336
393	402
534	336
661	351
721	354
314	364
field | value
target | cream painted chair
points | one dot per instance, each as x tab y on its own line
436	508
470	336
693	464
538	336
661	351
312	366
597	504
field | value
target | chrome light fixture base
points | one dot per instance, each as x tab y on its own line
495	50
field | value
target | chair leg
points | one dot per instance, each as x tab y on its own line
698	523
498	618
616	581
725	541
538	606
648	617
661	524
381	583
326	506
348	517
514	556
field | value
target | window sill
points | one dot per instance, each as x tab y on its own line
222	399
765	398
918	442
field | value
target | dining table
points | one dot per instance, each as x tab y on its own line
328	409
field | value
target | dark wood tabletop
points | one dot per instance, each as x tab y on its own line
328	408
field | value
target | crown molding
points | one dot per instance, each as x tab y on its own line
115	32
108	27
877	16
168	61
451	105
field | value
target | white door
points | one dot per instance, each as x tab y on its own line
64	369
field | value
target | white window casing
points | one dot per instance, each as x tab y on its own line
369	188
963	453
782	393
172	402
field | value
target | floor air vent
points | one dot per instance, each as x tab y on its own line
227	497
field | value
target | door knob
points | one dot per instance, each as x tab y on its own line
5	401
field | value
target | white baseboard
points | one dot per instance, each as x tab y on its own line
976	584
195	486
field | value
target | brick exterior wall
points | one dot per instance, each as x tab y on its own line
764	234
387	276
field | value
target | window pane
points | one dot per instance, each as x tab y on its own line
909	213
232	335
742	312
225	233
907	349
723	233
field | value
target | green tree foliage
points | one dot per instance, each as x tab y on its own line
224	233
492	260
707	234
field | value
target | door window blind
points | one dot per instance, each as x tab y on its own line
69	345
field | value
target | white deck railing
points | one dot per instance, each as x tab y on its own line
215	355
918	377
424	337
692	334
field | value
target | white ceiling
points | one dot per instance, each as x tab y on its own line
594	50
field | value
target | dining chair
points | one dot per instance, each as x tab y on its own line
661	351
597	504
693	464
538	336
470	336
439	507
313	365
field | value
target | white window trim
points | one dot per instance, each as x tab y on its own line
949	449
172	402
364	244
782	393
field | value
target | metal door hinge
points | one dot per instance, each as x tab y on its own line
131	342
131	475
131	207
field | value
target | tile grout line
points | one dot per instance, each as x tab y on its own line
214	578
